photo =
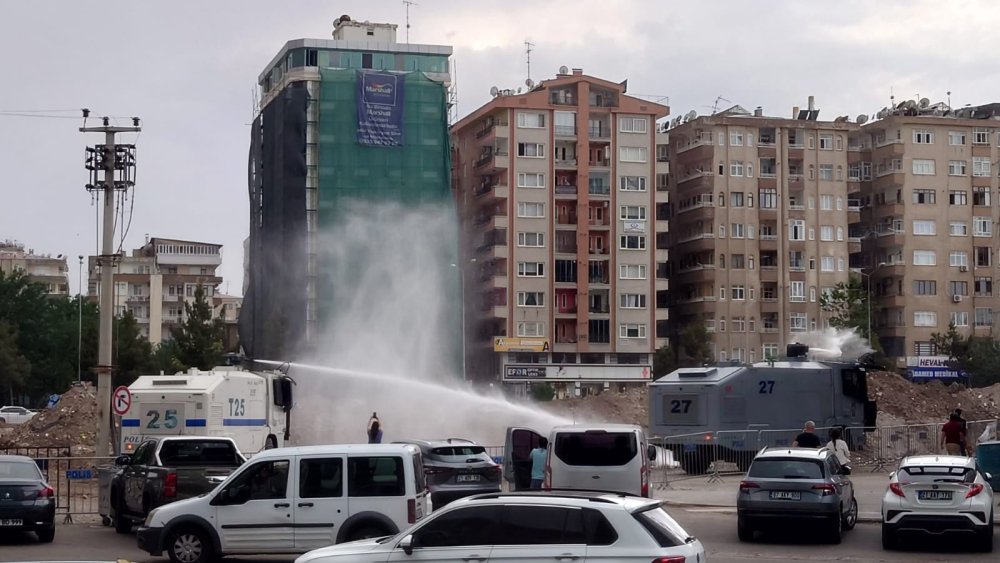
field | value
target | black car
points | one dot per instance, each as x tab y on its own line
27	502
457	468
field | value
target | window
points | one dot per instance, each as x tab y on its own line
321	477
924	227
958	229
736	199
826	232
826	172
924	258
923	167
840	234
531	120
737	292
739	325
367	60
925	287
984	316
530	329
632	271
530	209
632	183
980	136
797	322
956	168
958	258
960	318
737	230
530	269
738	261
476	525
632	330
981	166
797	229
797	291
632	124
632	301
531	150
530	299
812	234
264	480
924	318
827	264
632	242
958	288
826	202
958	197
768	199
956	138
981	195
736	139
924	196
984	287
749	170
982	226
632	154
633	213
826	142
984	256
736	168
530	180
533	240
841	264
924	348
923	136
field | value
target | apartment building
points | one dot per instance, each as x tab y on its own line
44	269
153	282
930	250
560	217
762	212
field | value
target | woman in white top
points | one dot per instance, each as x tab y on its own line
839	447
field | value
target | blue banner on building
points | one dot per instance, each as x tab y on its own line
924	373
380	109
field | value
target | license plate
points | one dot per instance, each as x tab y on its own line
11	522
934	495
466	478
786	495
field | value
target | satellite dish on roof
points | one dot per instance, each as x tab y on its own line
564	69
494	91
690	115
862	119
529	83
924	102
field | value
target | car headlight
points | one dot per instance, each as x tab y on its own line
150	517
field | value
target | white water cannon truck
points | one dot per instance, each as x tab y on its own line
251	407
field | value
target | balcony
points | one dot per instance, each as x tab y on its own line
566	190
602	133
700	140
885	142
684	182
565	130
599	189
565	164
854	205
600	163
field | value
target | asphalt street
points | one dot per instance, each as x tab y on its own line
715	527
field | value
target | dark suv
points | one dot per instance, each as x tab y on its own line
457	468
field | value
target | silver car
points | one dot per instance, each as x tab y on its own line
796	484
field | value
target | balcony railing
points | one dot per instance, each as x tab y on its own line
701	140
768	237
887	142
854	205
565	190
599	190
565	130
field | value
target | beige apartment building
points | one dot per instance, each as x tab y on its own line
557	190
930	181
44	269
154	282
761	225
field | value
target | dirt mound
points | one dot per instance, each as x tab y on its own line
906	402
629	407
72	422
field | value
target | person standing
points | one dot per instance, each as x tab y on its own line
964	446
839	448
952	435
538	455
807	438
374	429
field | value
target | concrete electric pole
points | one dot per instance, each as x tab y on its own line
117	165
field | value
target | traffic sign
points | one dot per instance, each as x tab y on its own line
121	400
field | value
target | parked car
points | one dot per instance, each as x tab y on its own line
795	485
168	469
932	494
292	500
532	526
457	468
15	415
27	502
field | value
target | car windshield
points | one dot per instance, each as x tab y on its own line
932	474
664	529
19	470
460	453
777	468
199	452
596	448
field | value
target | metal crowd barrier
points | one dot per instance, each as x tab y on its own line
74	478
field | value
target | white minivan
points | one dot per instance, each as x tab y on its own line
604	457
292	500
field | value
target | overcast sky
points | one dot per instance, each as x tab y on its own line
188	69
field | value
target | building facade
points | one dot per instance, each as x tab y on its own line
762	212
929	178
155	281
314	146
46	270
558	196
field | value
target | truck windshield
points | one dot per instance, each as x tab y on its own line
179	453
595	448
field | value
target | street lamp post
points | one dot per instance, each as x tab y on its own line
461	277
868	299
79	334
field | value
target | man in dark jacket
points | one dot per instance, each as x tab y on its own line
807	438
965	431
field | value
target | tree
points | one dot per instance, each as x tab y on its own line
850	303
543	392
164	358
199	338
978	356
14	368
695	344
664	361
133	352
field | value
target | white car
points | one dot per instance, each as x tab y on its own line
532	526
934	494
15	415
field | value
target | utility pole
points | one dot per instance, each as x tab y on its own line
408	3
117	163
527	55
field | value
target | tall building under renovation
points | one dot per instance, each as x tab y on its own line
356	117
559	223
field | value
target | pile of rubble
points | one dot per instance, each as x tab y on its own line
628	407
901	401
71	423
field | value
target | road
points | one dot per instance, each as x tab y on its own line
715	527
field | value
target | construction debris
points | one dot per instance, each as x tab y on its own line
72	423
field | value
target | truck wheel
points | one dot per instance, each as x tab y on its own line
122	524
366	531
270	442
190	545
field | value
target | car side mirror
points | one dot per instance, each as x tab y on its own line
122	460
406	544
651	453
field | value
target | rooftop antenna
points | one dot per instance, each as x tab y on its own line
527	54
715	106
408	3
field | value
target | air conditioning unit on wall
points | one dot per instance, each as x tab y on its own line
963	268
956	298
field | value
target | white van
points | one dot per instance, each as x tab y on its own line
605	457
292	500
